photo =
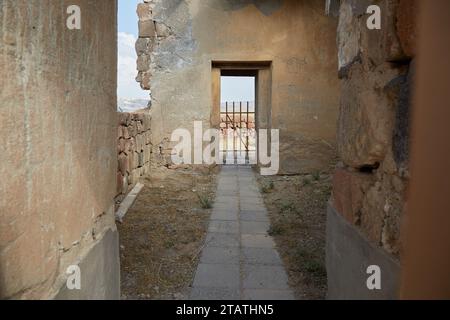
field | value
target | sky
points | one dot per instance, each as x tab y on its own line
233	88
237	89
127	87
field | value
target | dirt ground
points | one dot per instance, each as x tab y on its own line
297	209
162	234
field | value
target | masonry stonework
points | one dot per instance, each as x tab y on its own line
376	68
134	150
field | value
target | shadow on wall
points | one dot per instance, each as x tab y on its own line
267	7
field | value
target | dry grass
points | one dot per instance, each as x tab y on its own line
297	208
161	235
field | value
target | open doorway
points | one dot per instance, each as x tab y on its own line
237	120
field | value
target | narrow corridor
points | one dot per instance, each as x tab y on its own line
239	259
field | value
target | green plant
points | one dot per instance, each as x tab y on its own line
306	182
316	176
315	267
275	230
287	206
205	202
267	188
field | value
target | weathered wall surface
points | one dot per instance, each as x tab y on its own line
58	157
376	68
134	150
179	40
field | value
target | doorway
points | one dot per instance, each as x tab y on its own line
237	120
241	104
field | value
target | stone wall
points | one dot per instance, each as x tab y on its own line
376	68
179	40
58	158
134	150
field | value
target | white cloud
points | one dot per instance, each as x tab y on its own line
127	87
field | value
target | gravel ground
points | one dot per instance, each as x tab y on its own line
162	234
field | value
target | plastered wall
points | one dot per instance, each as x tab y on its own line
180	39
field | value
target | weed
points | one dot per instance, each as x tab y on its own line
205	202
306	182
267	188
287	206
316	176
315	267
275	230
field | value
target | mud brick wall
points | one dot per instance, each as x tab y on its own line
376	71
134	150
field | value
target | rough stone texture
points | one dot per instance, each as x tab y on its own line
349	189
407	26
295	35
134	147
348	255
58	158
400	143
367	116
373	126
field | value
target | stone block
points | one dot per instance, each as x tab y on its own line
261	256
124	118
119	182
130	158
140	127
143	62
264	277
136	160
373	213
254	227
126	133
349	189
367	117
407	26
225	215
140	159
348	37
121	145
147	29
131	145
257	241
383	45
144	11
221	226
123	163
144	45
132	129
222	240
249	215
145	80
216	255
217	275
125	183
140	142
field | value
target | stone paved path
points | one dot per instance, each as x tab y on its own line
239	259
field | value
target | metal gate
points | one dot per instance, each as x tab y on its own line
238	132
